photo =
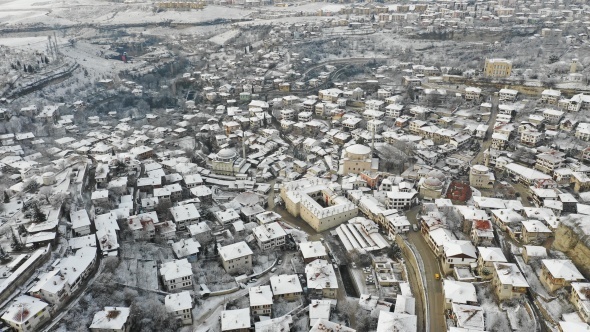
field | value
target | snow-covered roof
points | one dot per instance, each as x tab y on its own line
491	254
23	308
260	295
509	274
186	247
176	269
468	316
178	301
320	274
324	325
459	292
562	269
111	318
312	249
393	321
269	231
185	212
285	284
459	247
236	250
237	319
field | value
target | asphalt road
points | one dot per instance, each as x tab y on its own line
435	299
487	142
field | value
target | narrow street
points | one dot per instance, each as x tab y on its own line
433	289
487	142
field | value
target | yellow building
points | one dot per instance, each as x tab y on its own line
356	159
497	68
481	177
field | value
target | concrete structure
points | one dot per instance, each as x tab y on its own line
177	274
508	282
236	257
227	162
481	177
261	300
497	68
356	159
111	319
26	314
315	202
559	273
180	305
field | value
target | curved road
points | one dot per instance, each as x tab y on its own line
435	300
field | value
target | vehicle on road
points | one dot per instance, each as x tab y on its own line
273	270
437	276
415	227
280	262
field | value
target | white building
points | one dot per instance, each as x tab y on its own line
261	300
111	319
286	287
80	222
236	257
237	320
177	274
185	215
26	313
269	236
321	279
181	306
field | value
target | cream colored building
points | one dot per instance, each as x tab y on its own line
356	159
303	197
498	68
227	162
236	257
481	177
508	282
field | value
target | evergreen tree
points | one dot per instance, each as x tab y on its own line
6	197
38	215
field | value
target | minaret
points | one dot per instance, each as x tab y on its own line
244	145
373	141
574	66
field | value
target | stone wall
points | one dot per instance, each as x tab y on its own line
573	241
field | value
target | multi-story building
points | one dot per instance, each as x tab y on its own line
497	68
531	137
559	273
356	159
580	298
550	96
177	275
180	305
321	279
185	215
269	236
80	222
26	314
236	257
508	94
472	93
261	300
549	161
481	177
286	287
583	131
301	199
508	282
111	319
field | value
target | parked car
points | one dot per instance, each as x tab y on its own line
415	227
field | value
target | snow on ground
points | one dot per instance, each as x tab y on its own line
223	38
25	43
